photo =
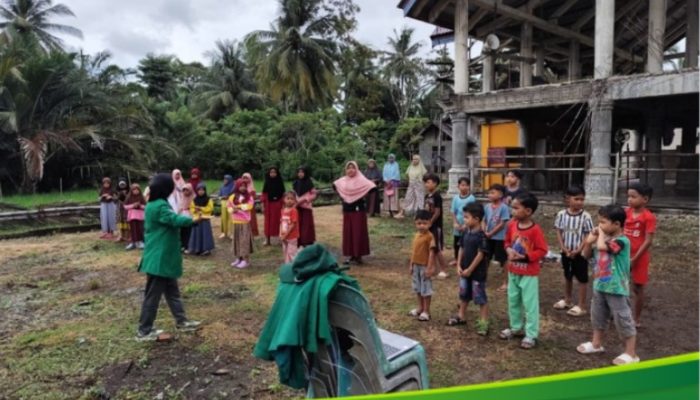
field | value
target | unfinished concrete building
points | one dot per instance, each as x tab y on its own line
578	75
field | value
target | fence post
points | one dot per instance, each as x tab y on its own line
617	172
60	186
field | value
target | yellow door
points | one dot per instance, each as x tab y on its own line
497	135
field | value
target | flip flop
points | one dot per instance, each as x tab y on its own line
424	317
576	311
587	348
624	359
455	320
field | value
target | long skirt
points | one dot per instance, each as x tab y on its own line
254	223
307	229
355	234
391	203
242	243
225	220
122	223
415	195
108	217
273	214
373	203
185	237
201	238
136	228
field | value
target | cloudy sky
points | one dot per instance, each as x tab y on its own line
188	28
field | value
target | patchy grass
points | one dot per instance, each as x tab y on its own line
70	305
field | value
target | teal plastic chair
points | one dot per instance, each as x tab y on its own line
361	358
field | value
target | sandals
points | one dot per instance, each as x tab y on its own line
576	311
508	334
562	304
527	343
624	359
587	348
415	312
424	317
456	320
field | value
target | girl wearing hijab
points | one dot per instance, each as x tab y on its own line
122	223
392	179
175	197
201	208
272	193
373	174
415	193
195	177
187	196
135	204
306	194
108	209
352	188
226	190
240	206
248	179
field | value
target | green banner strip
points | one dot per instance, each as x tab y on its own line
666	378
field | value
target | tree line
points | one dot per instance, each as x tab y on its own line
303	92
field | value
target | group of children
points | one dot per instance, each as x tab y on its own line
504	230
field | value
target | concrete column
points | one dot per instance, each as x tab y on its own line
691	40
526	52
656	36
539	62
604	38
653	133
599	177
687	182
459	150
461	35
488	76
574	60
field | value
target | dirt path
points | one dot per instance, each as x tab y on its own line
69	305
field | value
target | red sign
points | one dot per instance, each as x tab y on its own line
497	155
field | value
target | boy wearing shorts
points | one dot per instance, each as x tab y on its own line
496	215
433	204
422	265
640	226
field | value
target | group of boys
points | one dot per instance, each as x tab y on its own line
504	230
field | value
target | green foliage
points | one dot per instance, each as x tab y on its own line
407	137
159	74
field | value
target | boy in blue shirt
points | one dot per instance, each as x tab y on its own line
459	202
496	215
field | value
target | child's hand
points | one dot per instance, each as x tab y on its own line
513	255
410	269
467	273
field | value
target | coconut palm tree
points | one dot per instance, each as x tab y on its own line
404	70
294	61
229	85
33	17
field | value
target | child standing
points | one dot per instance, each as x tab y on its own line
496	216
161	262
306	194
135	205
289	227
472	266
640	226
250	184
186	195
526	246
422	264
226	190
201	209
122	222
239	206
108	209
272	192
611	275
572	225
433	204
459	202
512	188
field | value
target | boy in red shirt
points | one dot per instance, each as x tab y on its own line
640	226
526	246
289	227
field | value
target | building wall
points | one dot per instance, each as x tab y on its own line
428	147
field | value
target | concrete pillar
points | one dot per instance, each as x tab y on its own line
687	182
574	60
604	38
653	133
656	36
599	176
461	35
488	76
691	40
539	62
459	167
526	52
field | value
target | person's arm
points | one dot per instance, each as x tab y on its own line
208	210
130	206
455	210
540	248
168	217
475	263
460	256
193	209
230	207
560	240
644	247
430	270
587	229
496	229
592	238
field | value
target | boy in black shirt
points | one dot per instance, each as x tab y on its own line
433	204
472	266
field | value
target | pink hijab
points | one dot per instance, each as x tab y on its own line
186	200
179	182
251	184
355	188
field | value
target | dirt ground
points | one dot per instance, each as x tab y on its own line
69	305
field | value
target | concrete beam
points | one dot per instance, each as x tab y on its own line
691	41
562	9
437	9
461	35
526	52
539	62
574	60
604	39
655	36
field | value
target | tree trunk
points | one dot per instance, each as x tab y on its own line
28	184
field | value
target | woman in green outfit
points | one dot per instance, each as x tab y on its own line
162	261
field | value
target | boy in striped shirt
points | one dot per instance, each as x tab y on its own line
573	225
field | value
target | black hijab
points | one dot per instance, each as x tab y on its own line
273	187
302	186
161	187
201	201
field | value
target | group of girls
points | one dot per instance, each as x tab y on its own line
122	212
389	177
191	199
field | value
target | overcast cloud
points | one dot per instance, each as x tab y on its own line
130	29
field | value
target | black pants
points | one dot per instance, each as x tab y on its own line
156	287
185	237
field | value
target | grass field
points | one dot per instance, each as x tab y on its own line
70	304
